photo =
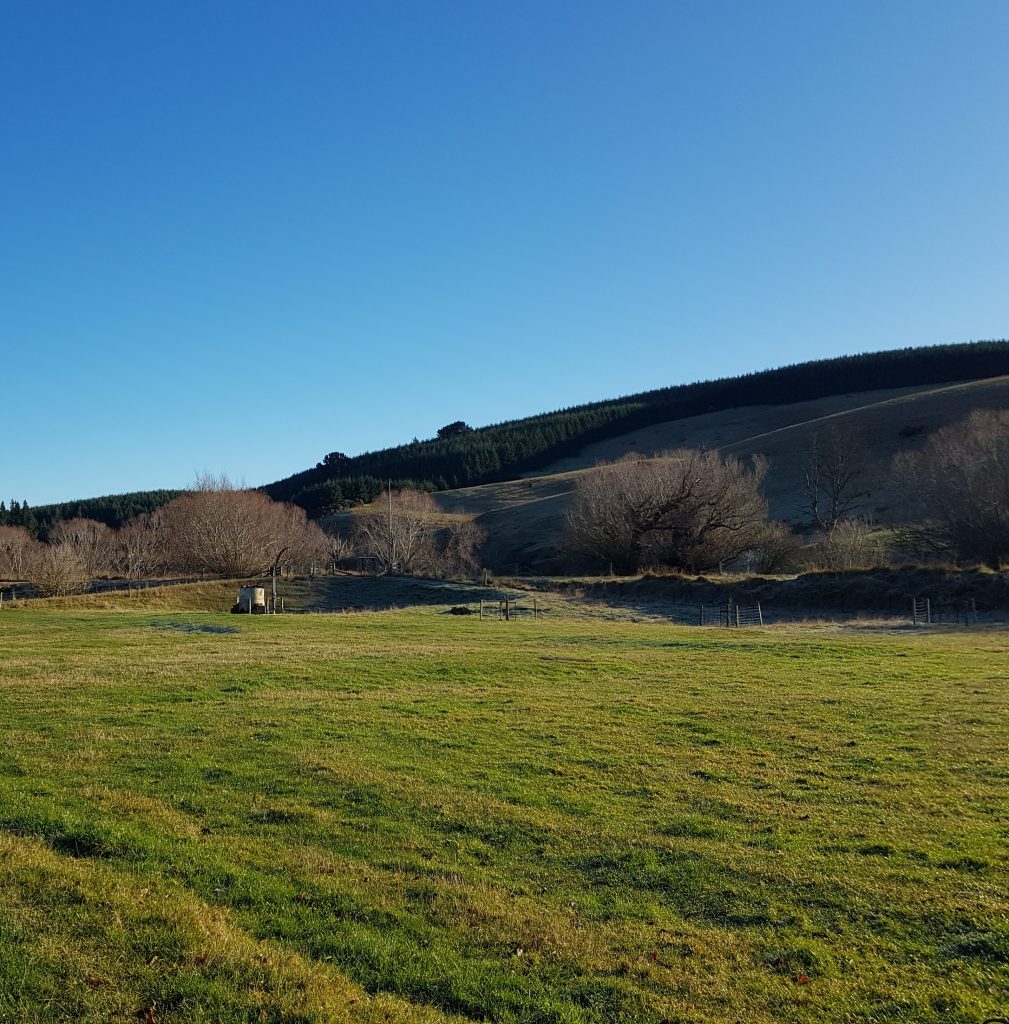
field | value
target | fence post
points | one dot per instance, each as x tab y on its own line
737	616
760	614
481	609
928	611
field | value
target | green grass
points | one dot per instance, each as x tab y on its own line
413	817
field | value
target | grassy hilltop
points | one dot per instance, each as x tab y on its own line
411	817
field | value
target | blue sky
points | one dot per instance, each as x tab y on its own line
238	236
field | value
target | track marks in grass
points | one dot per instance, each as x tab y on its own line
115	948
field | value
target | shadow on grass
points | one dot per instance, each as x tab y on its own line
381	593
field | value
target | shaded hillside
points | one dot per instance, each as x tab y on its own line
524	518
507	450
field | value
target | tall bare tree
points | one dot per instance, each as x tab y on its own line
16	547
88	539
834	469
138	549
958	486
687	508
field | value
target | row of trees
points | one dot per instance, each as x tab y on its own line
216	529
221	530
112	510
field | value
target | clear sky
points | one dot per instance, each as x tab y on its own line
236	236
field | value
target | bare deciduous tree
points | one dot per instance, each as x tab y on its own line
138	549
227	531
58	569
776	549
339	548
851	544
689	509
958	484
834	473
409	534
16	547
88	539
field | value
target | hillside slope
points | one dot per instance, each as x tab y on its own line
524	518
465	457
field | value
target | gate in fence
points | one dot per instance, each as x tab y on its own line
731	614
921	611
507	608
947	613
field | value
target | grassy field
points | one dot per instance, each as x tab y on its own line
412	817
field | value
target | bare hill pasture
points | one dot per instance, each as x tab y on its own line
523	518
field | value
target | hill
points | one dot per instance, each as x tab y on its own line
555	441
504	451
524	518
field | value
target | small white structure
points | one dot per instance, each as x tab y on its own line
251	601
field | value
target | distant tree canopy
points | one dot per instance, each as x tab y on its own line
334	460
501	451
456	429
112	509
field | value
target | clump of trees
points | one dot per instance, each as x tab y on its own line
217	529
61	567
228	531
222	530
687	509
958	487
407	532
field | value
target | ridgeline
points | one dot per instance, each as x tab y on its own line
503	451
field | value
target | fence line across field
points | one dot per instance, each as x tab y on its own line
506	608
